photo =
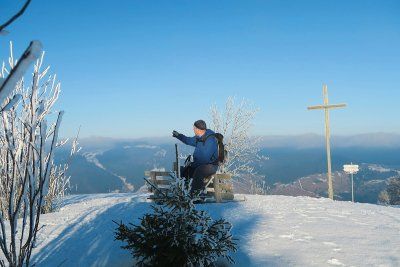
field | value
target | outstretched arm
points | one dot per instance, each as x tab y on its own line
191	141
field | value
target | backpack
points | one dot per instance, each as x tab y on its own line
222	153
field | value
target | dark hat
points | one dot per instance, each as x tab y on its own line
200	124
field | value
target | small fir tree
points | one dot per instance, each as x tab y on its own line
176	233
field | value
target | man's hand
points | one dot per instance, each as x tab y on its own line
175	134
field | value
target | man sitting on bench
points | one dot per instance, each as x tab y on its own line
205	155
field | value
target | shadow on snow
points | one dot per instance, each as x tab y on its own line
92	243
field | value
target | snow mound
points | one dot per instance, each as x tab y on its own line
271	231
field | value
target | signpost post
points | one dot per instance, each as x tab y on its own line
351	169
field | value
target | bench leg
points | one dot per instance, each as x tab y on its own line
217	190
153	179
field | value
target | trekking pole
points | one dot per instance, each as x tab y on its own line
177	161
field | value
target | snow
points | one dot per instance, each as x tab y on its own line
161	153
377	168
373	182
91	157
271	231
146	146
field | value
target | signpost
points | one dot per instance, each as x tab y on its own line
326	107
351	169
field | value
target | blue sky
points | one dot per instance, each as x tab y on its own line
143	68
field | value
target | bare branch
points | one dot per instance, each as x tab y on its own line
13	18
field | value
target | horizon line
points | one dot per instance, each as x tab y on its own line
255	135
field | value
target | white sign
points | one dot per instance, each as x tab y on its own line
351	169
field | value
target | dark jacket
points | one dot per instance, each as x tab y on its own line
204	152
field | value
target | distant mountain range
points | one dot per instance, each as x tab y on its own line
118	165
294	141
368	183
379	140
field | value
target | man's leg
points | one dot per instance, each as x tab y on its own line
200	173
187	171
184	171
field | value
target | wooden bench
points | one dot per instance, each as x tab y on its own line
218	186
161	179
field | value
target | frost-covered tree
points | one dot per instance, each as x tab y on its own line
235	122
59	182
383	198
393	190
391	196
176	233
28	139
258	187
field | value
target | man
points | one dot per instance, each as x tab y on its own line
205	155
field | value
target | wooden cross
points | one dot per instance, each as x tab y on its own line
326	107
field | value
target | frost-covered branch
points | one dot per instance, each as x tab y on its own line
59	181
18	69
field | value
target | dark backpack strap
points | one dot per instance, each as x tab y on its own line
204	139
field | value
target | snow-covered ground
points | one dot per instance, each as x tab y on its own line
271	231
